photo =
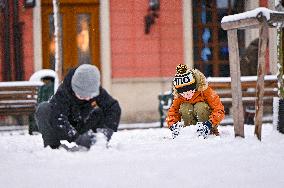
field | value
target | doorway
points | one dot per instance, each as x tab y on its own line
80	34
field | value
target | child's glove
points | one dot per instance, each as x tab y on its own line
86	139
204	129
175	128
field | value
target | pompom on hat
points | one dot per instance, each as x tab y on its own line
86	81
184	79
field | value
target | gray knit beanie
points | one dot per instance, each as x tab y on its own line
86	81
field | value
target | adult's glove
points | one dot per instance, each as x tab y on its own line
86	139
175	128
204	129
107	132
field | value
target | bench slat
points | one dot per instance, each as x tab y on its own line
19	88
228	94
245	85
18	111
17	96
16	105
248	100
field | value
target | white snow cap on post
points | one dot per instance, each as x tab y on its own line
249	14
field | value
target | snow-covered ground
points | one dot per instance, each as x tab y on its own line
147	158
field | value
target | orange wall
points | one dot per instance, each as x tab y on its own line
135	54
263	3
26	16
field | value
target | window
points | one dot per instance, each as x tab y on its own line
211	54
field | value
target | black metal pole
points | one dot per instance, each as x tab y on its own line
280	126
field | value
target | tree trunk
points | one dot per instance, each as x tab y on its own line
58	44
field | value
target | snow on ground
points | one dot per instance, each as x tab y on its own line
147	158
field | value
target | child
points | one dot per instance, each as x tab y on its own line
194	101
80	107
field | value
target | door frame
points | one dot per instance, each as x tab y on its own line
105	52
69	23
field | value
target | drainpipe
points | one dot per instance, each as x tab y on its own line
17	35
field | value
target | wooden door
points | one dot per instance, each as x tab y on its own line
80	34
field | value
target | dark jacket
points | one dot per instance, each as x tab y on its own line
249	60
69	114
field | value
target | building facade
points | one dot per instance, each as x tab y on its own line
135	43
16	40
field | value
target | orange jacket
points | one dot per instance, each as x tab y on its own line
204	93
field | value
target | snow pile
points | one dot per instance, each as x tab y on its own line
147	158
37	76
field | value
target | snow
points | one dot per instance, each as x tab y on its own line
37	76
147	158
275	112
277	2
243	78
21	83
249	14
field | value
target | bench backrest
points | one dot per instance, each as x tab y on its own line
18	97
223	87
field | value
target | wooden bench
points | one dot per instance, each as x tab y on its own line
19	97
222	85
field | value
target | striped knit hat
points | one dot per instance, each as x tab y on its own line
184	79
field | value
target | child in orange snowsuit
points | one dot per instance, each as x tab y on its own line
194	101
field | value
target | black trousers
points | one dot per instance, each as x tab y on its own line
50	134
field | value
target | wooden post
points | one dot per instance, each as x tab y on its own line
280	64
243	21
235	72
263	36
